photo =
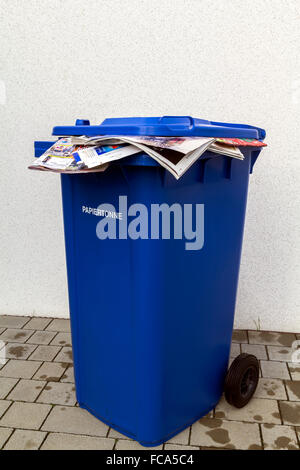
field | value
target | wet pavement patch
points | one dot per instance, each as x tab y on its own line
211	422
17	351
258	418
70	355
284	442
219	435
239	336
30	444
293	388
255	447
286	339
290	412
19	335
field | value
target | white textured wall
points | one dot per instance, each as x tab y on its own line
225	60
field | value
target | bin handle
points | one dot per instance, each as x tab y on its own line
190	118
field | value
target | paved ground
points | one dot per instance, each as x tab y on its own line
38	405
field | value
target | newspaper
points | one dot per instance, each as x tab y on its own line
94	156
82	154
58	156
61	157
225	149
176	154
242	142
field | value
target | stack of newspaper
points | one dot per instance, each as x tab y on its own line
177	154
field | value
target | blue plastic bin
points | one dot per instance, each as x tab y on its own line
151	321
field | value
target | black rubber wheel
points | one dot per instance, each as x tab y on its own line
241	380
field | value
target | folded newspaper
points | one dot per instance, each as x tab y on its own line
176	154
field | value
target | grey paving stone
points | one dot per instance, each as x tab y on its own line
38	323
20	369
211	432
10	321
270	388
15	335
279	353
50	371
65	355
73	428
178	439
259	350
123	444
26	390
239	336
3	360
258	410
290	412
4	405
271	338
235	350
25	440
4	435
58	393
294	369
25	415
68	375
117	435
181	438
274	370
60	441
180	447
59	324
293	389
41	337
45	353
62	339
18	350
6	384
279	437
74	420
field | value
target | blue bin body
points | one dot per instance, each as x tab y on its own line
151	321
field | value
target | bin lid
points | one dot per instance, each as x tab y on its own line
162	126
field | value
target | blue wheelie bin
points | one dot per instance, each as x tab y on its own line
152	316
